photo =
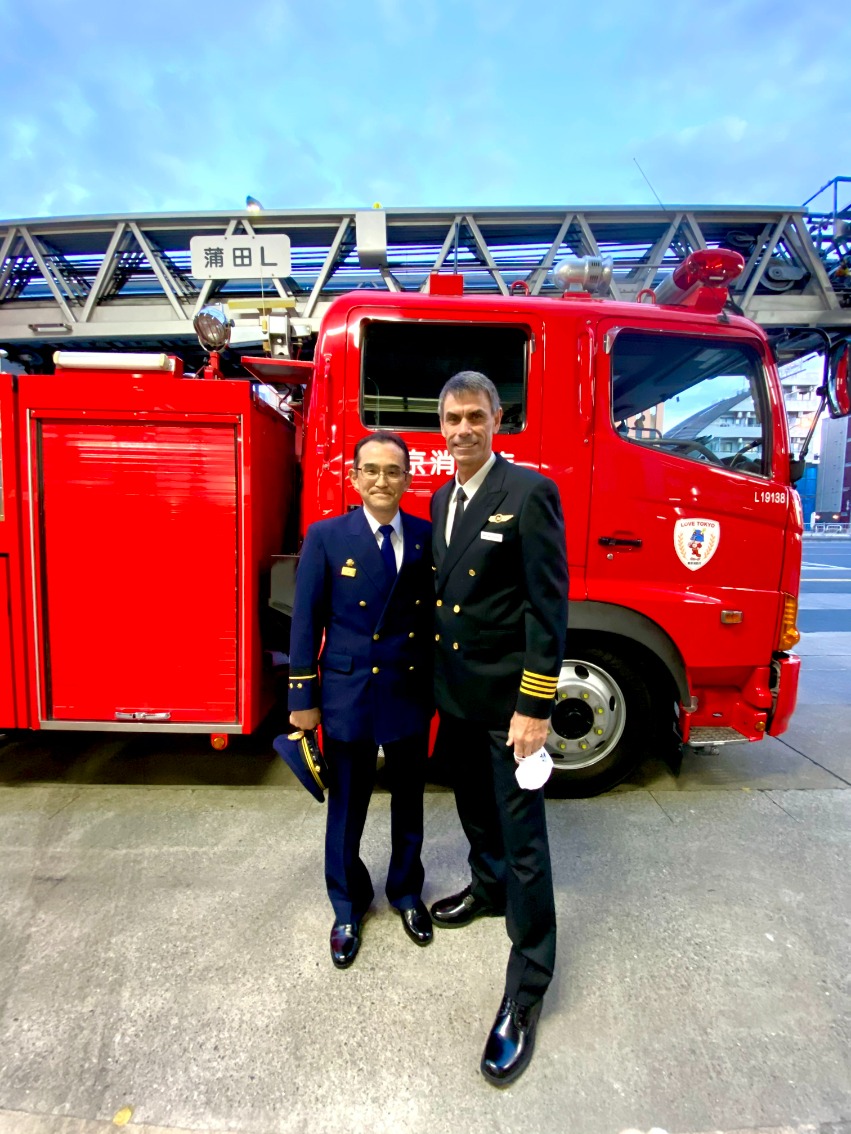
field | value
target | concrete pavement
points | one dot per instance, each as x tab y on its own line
165	948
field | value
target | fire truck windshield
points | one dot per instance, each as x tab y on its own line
699	399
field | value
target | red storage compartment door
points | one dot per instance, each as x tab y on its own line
138	550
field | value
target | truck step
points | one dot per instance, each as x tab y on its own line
710	735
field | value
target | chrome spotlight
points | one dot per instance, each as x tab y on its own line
583	273
212	327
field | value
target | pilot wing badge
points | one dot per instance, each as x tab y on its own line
500	518
696	541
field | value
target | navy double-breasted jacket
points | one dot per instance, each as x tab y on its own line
372	675
501	594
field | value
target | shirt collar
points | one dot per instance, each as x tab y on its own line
395	523
477	479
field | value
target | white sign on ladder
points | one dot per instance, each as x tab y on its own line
240	257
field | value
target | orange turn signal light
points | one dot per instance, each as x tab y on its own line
789	633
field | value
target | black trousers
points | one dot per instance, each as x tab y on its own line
351	767
509	851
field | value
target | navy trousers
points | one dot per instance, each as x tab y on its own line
352	770
509	851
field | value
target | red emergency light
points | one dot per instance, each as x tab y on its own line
701	280
713	266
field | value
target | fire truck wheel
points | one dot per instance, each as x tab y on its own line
601	723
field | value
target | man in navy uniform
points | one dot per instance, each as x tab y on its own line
501	592
365	582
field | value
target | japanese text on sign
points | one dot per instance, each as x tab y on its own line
240	257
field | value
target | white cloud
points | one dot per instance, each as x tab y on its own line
22	138
735	128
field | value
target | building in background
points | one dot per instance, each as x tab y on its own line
833	495
800	380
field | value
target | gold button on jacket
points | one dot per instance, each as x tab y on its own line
360	626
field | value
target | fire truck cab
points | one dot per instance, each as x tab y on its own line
684	545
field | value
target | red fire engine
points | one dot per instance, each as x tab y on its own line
141	510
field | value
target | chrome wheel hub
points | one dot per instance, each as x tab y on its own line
588	717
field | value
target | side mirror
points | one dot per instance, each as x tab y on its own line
838	390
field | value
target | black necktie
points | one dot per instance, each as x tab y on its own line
460	501
387	552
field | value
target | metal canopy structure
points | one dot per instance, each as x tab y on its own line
124	282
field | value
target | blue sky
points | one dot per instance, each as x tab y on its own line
112	107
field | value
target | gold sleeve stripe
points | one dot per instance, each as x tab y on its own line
302	676
540	676
537	690
544	696
553	684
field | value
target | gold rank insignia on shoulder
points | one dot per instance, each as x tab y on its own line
499	518
349	571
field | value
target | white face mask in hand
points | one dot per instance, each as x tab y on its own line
534	771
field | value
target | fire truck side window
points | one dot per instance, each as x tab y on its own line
695	398
404	366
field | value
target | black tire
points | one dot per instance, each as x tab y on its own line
603	721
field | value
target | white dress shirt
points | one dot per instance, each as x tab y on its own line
470	489
397	539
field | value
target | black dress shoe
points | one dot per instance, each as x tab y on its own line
417	923
461	909
511	1042
345	942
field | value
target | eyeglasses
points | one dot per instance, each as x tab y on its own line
392	474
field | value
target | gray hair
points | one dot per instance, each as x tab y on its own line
469	382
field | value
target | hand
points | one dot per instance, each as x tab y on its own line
305	719
527	734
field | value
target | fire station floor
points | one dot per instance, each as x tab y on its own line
164	948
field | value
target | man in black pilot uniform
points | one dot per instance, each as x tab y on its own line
364	583
501	593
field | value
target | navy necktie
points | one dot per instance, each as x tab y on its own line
460	501
387	552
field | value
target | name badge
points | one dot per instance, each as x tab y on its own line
349	571
495	536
